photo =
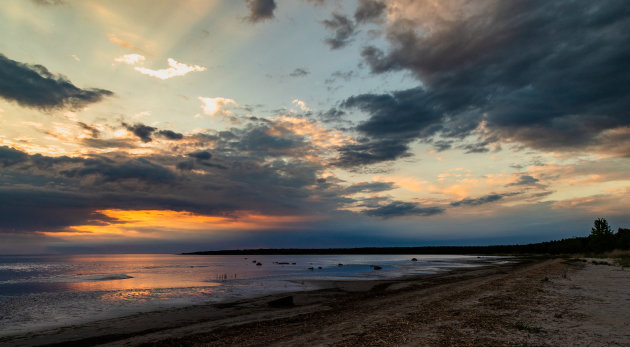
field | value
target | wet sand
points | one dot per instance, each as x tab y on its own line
534	302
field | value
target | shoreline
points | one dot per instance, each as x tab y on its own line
491	305
136	324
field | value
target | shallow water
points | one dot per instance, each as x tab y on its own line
40	292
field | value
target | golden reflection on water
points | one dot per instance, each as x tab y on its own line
139	281
144	271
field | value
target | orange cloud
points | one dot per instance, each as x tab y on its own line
169	224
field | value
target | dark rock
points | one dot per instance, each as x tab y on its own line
286	301
376	267
414	259
258	264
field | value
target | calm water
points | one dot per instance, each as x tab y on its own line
40	292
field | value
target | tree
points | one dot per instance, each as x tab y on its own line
602	237
601	228
623	238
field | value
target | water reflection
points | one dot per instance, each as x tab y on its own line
48	291
148	271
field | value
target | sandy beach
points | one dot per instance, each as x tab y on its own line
534	302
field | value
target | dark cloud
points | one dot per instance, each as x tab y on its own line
260	141
371	152
299	72
185	165
369	10
260	10
332	115
525	180
481	200
42	210
109	171
530	72
475	148
403	114
170	134
95	132
343	28
442	145
145	132
200	155
10	156
35	86
400	208
395	120
370	187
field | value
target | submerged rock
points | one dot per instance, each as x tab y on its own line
376	267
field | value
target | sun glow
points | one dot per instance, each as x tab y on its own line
169	224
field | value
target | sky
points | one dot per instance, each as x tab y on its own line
173	126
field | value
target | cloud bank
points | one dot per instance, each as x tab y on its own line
529	73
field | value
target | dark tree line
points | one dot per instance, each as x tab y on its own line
601	239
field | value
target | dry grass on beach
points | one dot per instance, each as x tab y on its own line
539	302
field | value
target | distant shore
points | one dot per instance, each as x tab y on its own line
428	250
556	247
539	302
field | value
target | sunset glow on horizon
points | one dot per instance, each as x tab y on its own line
168	224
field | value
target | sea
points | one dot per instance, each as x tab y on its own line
41	292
